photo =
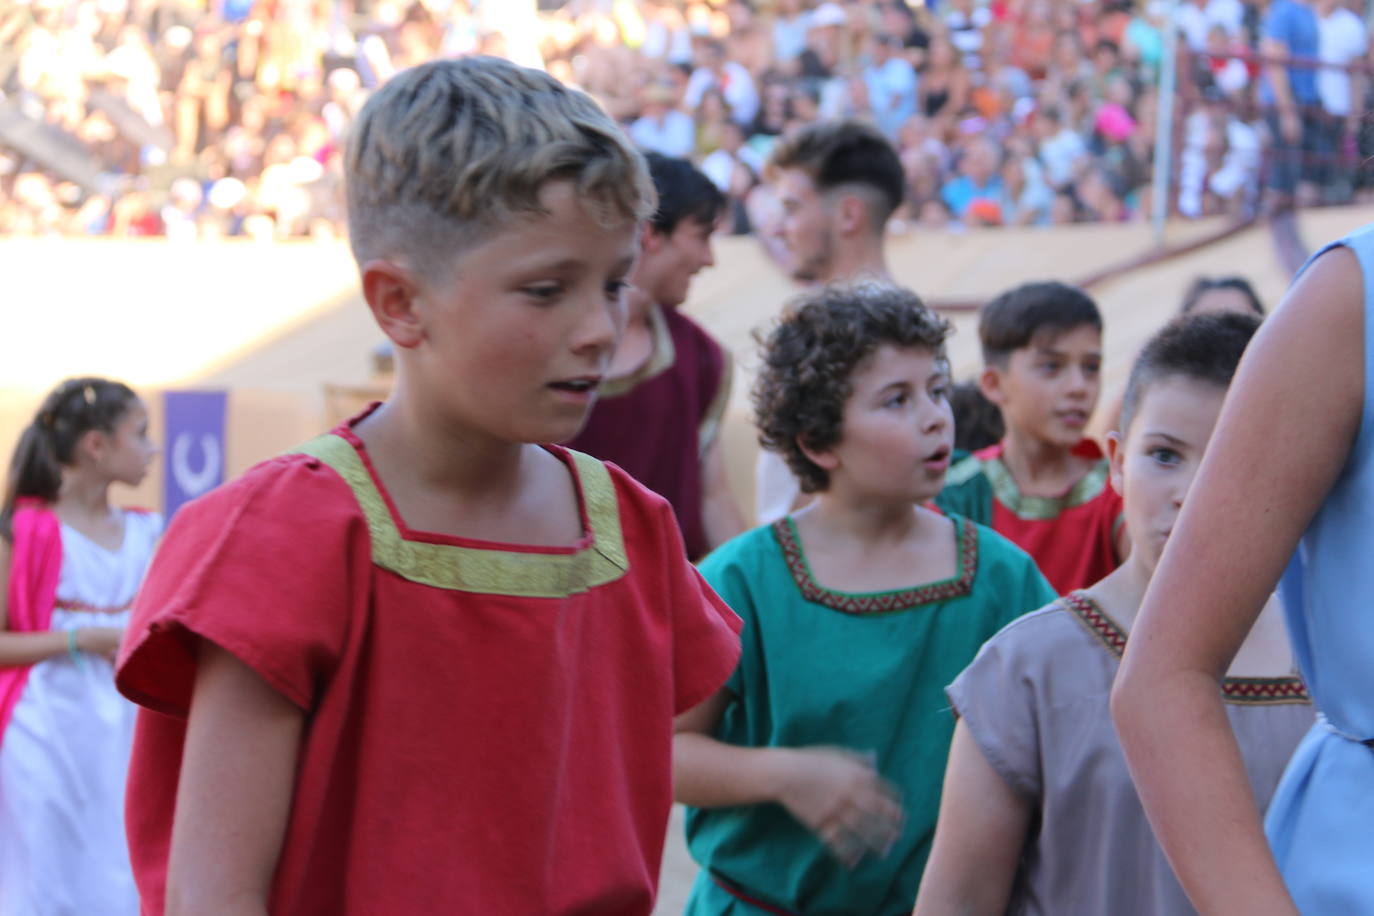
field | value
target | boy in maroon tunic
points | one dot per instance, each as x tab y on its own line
659	413
425	664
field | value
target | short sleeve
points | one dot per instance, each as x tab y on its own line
996	699
260	567
724	573
705	629
706	643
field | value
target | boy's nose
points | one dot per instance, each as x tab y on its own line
600	327
1078	381
933	418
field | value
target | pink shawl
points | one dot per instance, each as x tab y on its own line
35	564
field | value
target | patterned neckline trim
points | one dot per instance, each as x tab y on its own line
529	573
1250	690
966	550
1043	508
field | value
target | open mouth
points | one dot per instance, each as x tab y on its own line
939	456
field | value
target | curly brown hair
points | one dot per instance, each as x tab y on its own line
811	354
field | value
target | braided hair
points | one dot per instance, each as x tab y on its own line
49	442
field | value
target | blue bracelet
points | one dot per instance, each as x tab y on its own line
73	651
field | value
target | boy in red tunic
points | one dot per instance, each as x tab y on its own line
659	412
422	665
1045	484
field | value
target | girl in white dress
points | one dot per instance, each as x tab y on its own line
72	564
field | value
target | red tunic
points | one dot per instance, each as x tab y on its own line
488	726
1072	538
658	423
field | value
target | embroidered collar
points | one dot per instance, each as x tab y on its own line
966	544
1043	508
599	558
660	360
1251	690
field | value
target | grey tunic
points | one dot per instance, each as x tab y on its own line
1035	701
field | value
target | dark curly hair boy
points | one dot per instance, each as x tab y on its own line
810	356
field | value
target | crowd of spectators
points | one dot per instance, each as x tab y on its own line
209	118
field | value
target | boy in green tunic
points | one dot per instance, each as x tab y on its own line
814	775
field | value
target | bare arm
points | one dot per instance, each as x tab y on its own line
1284	434
978	838
20	649
720	513
708	773
833	792
237	778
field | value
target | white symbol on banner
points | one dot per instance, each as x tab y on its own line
191	482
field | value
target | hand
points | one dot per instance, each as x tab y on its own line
1290	125
839	796
99	640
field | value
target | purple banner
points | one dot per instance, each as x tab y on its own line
193	450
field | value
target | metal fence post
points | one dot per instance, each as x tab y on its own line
1164	123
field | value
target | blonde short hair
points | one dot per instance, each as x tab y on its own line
447	150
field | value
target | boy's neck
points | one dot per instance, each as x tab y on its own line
401	433
872	547
862	259
465	484
1040	468
636	345
638	305
1121	592
863	521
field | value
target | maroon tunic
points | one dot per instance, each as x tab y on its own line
658	422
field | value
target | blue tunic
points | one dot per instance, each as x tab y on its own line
1321	820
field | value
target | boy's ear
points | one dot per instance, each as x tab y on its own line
391	294
990	383
851	214
825	459
650	239
1116	458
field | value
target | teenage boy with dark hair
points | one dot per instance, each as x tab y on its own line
659	412
1045	484
839	183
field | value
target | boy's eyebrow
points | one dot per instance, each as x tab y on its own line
1161	434
1044	350
896	383
621	266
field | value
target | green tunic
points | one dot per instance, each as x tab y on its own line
866	672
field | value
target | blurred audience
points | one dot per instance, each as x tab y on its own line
220	118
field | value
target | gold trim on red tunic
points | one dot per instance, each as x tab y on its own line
491	571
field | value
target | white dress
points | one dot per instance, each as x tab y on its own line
65	752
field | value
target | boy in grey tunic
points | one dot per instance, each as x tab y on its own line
1039	814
